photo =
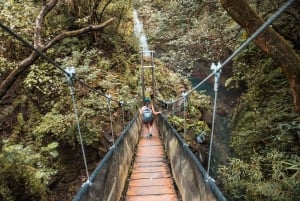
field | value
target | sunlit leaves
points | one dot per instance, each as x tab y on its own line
266	119
264	177
43	79
264	134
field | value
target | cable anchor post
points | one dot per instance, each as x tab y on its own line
217	69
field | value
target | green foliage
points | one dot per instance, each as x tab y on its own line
63	128
108	61
265	118
44	83
199	127
187	31
5	66
177	122
264	177
192	125
26	170
55	125
264	133
17	16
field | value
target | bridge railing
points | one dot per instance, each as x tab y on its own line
109	178
190	176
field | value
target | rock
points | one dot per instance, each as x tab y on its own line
207	117
222	111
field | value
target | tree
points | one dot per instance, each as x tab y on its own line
270	42
23	65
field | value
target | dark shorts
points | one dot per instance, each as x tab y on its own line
151	122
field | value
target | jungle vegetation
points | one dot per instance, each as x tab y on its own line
40	153
264	121
40	157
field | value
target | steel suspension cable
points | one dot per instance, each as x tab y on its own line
122	106
250	39
8	30
217	72
173	109
259	30
212	132
44	56
70	82
110	116
184	114
129	118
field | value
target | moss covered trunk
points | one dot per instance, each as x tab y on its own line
270	42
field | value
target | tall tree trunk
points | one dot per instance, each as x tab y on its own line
270	42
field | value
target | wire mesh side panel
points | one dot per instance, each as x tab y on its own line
109	178
187	170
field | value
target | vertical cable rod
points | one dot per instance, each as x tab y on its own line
70	75
122	105
110	117
217	72
184	114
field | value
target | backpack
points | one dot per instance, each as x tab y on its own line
147	115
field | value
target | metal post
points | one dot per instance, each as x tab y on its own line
151	65
153	76
142	76
217	72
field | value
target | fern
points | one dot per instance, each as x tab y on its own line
27	169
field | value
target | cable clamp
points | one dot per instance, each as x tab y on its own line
184	95
217	69
185	145
108	97
88	182
208	178
70	74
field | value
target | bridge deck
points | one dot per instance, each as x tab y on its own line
150	179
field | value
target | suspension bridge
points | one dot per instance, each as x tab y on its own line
159	168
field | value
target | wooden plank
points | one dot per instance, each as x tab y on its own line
150	142
149	164
168	197
137	169
150	179
149	159
150	182
150	190
151	175
155	150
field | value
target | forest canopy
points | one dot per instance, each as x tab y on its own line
40	157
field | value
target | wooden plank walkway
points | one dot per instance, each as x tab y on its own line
150	179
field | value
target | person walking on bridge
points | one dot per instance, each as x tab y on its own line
147	112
